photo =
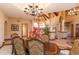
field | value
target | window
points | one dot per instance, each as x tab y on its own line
40	25
35	25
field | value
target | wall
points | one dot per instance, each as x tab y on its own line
74	20
19	22
2	20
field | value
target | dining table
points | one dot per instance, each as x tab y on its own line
62	43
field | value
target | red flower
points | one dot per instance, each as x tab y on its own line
35	33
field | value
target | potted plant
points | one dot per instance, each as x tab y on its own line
46	30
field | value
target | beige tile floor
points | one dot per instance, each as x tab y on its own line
6	50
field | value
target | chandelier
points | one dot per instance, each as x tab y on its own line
33	10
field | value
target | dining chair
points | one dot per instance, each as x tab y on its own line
26	43
25	40
36	47
25	37
45	38
52	49
12	36
75	48
18	44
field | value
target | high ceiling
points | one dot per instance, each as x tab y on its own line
16	9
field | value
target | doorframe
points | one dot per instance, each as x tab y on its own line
76	30
72	30
22	29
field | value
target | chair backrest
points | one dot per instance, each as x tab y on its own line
45	38
18	45
52	49
25	37
36	47
75	48
26	43
14	34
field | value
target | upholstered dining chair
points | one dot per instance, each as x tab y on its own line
12	36
51	49
75	48
18	44
26	43
36	47
45	38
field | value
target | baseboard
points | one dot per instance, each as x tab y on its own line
7	44
2	45
6	39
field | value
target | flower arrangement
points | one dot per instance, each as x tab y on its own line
36	33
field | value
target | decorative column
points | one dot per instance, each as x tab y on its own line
52	28
74	31
63	25
63	21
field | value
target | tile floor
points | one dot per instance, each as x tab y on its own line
6	50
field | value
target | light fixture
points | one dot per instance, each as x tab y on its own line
33	10
73	12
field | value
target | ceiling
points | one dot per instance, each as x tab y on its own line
16	9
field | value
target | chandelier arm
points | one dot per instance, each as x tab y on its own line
33	10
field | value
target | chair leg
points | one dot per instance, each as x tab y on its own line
12	51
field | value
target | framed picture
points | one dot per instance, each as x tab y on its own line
14	27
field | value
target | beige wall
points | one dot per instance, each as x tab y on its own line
2	20
19	22
74	20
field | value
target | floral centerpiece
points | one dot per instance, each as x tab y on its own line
36	33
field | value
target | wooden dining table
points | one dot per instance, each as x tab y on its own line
63	44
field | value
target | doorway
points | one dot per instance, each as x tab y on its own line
72	30
77	30
24	30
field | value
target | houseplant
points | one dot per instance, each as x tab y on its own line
46	30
